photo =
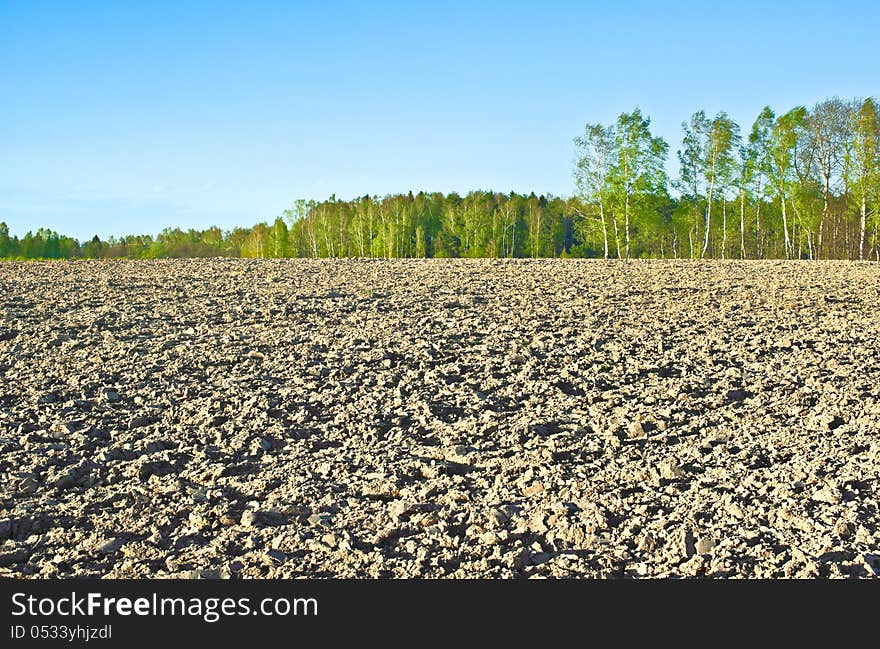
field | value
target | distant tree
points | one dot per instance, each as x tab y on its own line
720	141
756	167
279	239
864	172
7	245
593	170
638	170
254	246
691	158
32	245
211	241
94	249
784	142
828	131
447	244
535	218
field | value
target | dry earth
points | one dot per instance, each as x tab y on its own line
445	418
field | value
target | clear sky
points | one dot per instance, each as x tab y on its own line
122	117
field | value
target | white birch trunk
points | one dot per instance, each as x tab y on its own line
785	228
862	223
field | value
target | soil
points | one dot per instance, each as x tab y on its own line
439	418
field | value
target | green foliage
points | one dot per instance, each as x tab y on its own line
803	184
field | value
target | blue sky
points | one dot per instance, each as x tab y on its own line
122	117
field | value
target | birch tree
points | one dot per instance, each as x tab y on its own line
596	148
638	171
690	158
865	167
782	151
720	141
828	127
758	166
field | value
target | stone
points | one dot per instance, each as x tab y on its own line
827	494
636	430
320	518
398	508
669	470
498	517
705	545
110	546
68	427
489	538
533	489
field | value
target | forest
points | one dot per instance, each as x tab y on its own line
804	184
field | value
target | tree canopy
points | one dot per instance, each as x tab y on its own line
803	184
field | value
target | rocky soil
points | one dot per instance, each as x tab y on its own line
446	418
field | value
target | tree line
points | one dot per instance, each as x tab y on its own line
801	185
804	184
